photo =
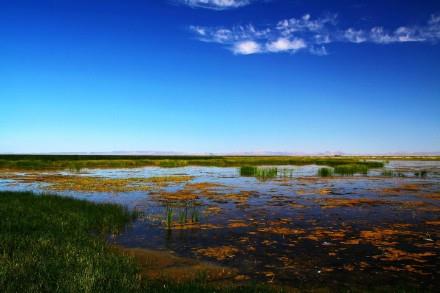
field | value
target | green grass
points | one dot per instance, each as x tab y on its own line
388	173
78	162
56	244
172	163
258	172
351	169
49	243
248	171
325	172
421	174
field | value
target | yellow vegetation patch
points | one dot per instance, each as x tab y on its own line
193	225
219	253
175	196
212	210
99	184
432	196
393	254
237	224
203	186
349	202
282	230
321	233
436	222
162	265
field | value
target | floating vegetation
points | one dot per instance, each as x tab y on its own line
402	189
350	202
219	253
281	230
166	266
58	182
325	172
351	169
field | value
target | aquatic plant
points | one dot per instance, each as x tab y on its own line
325	172
75	167
195	216
100	184
285	173
258	172
264	173
248	171
421	174
351	169
169	217
388	173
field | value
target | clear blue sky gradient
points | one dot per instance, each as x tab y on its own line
130	75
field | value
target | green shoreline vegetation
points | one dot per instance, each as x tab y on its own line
78	162
50	243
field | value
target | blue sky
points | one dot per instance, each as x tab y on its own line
220	75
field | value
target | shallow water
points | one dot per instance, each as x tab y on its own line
293	229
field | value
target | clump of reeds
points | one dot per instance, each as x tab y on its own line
388	173
351	169
258	172
248	171
421	174
325	172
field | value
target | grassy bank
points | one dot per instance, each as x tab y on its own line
78	162
49	243
56	244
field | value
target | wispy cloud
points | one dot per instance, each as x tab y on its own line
312	35
216	4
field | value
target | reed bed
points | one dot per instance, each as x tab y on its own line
351	169
77	163
325	172
258	172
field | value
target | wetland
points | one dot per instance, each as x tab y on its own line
321	223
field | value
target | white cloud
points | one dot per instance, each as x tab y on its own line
312	35
305	23
355	36
246	48
284	44
216	4
416	33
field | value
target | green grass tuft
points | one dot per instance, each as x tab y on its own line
325	172
50	243
258	172
351	169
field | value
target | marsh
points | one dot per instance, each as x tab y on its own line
280	224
